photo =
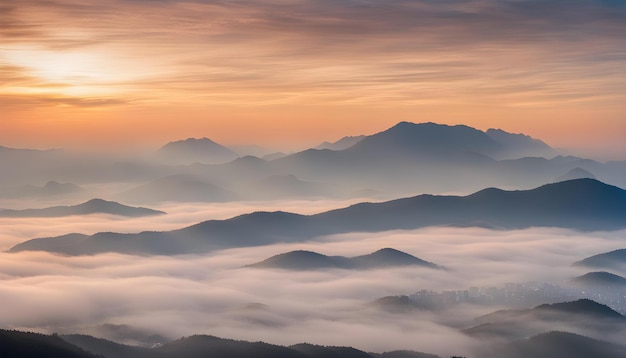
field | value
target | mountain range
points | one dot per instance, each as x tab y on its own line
93	206
50	189
424	157
308	260
582	316
583	204
34	345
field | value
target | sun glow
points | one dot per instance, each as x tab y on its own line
65	73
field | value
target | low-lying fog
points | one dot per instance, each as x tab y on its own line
212	294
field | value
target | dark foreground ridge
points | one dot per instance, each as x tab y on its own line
582	204
34	345
557	344
93	206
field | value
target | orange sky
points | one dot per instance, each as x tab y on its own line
292	73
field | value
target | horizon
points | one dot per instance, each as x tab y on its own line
112	234
90	75
254	149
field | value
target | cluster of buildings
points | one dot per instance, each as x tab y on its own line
521	295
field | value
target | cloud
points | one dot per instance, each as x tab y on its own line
211	294
344	51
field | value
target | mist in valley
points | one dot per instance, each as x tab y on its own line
175	296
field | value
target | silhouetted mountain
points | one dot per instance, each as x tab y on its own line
599	279
33	345
583	204
194	150
519	145
93	206
303	260
430	157
126	334
557	344
590	308
613	259
576	173
341	144
308	260
208	346
52	188
426	141
582	315
177	188
108	349
388	257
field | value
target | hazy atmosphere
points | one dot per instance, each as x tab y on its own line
308	179
289	74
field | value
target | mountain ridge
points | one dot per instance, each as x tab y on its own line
93	206
583	204
309	260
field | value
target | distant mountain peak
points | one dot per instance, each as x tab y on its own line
427	140
93	206
576	173
195	150
341	144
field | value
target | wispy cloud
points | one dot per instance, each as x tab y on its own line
399	56
317	47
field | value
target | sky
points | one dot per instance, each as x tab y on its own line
291	73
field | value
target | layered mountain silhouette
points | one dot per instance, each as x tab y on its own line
93	206
581	316
599	280
341	144
430	157
576	173
426	140
613	259
424	157
33	345
178	188
209	346
193	150
51	188
583	204
589	308
308	260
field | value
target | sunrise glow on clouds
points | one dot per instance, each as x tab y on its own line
80	72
